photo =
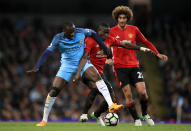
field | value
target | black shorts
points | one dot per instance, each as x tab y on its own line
129	76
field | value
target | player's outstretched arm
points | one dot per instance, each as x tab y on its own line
32	70
127	44
80	67
41	60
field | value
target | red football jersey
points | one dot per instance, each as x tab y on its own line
97	56
124	58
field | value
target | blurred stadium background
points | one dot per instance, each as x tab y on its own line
27	27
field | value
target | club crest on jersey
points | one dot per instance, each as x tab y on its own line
81	41
130	35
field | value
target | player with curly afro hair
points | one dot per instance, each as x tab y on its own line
126	64
122	10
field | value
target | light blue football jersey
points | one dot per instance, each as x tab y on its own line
71	50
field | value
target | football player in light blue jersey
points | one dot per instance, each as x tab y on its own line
71	47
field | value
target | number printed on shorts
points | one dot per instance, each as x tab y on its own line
140	75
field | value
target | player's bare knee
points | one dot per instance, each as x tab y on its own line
128	101
54	91
129	96
142	92
141	89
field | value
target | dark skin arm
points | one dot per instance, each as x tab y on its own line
129	46
32	70
126	44
81	65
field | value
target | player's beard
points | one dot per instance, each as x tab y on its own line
122	25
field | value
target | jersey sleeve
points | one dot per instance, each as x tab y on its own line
87	32
89	44
54	44
48	51
141	39
139	36
114	41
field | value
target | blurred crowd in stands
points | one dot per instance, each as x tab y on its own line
175	39
22	95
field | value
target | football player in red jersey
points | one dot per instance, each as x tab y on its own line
98	59
126	63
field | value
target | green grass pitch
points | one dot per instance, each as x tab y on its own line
59	126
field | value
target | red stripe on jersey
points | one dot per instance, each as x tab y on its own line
118	82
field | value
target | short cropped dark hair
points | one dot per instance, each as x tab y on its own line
68	25
102	25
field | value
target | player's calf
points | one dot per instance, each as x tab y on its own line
54	91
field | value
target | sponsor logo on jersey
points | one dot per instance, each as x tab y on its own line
101	52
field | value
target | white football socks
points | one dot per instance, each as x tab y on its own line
104	91
48	106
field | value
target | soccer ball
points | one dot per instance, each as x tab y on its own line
111	119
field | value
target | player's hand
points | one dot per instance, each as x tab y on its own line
33	70
109	61
76	77
163	57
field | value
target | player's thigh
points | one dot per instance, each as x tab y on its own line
59	82
122	76
91	74
89	83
